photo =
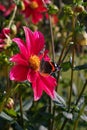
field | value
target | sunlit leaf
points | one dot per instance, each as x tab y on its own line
11	112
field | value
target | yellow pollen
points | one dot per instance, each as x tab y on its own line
34	62
34	5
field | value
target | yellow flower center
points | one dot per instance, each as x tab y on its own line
34	62
34	5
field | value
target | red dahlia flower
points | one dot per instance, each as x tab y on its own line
3	36
28	61
35	8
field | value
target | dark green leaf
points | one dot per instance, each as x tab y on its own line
16	126
65	66
27	104
81	67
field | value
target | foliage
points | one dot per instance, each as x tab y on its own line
63	24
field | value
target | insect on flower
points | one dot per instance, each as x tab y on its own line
48	67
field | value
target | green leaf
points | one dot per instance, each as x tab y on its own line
84	117
27	105
68	115
59	100
77	1
11	112
5	116
66	66
81	67
17	126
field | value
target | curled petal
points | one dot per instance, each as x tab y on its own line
19	73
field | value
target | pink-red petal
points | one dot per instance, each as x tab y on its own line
34	78
18	59
49	84
37	89
22	47
36	17
39	42
18	73
29	38
2	8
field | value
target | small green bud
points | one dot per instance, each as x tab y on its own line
52	9
21	5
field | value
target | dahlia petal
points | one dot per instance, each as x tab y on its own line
9	10
29	38
19	59
39	42
19	73
5	31
34	78
21	46
27	12
48	83
37	89
36	17
44	56
2	8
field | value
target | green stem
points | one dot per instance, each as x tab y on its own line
52	39
50	127
13	16
77	121
66	120
72	72
73	49
83	89
21	112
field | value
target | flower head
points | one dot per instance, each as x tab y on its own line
35	8
28	64
3	36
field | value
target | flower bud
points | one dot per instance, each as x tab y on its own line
10	103
21	5
78	8
81	38
13	29
68	10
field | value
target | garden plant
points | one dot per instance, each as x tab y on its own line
43	65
